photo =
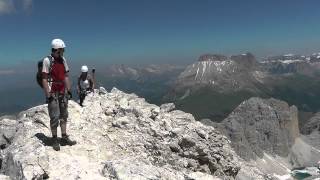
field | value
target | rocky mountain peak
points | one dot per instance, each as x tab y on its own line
212	57
262	125
247	60
119	135
312	125
315	57
220	72
287	57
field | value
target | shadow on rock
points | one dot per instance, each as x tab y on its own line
47	141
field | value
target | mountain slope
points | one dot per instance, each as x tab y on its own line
220	72
119	135
151	81
214	85
265	132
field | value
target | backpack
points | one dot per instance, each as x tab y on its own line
39	73
39	76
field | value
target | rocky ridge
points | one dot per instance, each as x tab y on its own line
119	136
265	132
262	125
312	125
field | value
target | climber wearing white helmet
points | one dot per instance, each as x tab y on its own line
85	83
57	88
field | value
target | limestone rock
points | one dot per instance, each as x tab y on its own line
120	136
3	177
7	132
167	107
312	125
262	125
102	90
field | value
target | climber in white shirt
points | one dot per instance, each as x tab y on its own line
85	83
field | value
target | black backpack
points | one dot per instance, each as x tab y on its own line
39	73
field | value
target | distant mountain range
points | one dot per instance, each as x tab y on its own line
215	84
210	88
150	81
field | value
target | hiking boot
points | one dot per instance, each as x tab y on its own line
55	144
65	140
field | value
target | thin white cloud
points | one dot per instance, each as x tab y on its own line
10	6
7	72
27	5
6	6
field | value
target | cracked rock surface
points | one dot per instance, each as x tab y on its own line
120	136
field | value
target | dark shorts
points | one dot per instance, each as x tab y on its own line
58	110
83	94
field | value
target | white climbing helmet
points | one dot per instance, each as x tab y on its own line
84	69
57	44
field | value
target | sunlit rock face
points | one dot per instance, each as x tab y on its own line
119	136
259	126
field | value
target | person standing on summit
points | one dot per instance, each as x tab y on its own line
57	89
85	83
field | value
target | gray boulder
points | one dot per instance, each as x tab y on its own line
167	107
7	132
4	177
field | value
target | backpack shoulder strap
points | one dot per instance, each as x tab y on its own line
50	60
50	67
65	64
88	77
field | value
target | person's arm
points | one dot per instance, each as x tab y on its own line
78	85
93	78
45	74
67	83
46	85
91	84
67	80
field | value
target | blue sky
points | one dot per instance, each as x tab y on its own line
156	31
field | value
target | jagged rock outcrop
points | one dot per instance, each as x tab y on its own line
312	125
247	61
212	57
306	151
292	64
265	132
119	136
260	125
7	131
288	67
